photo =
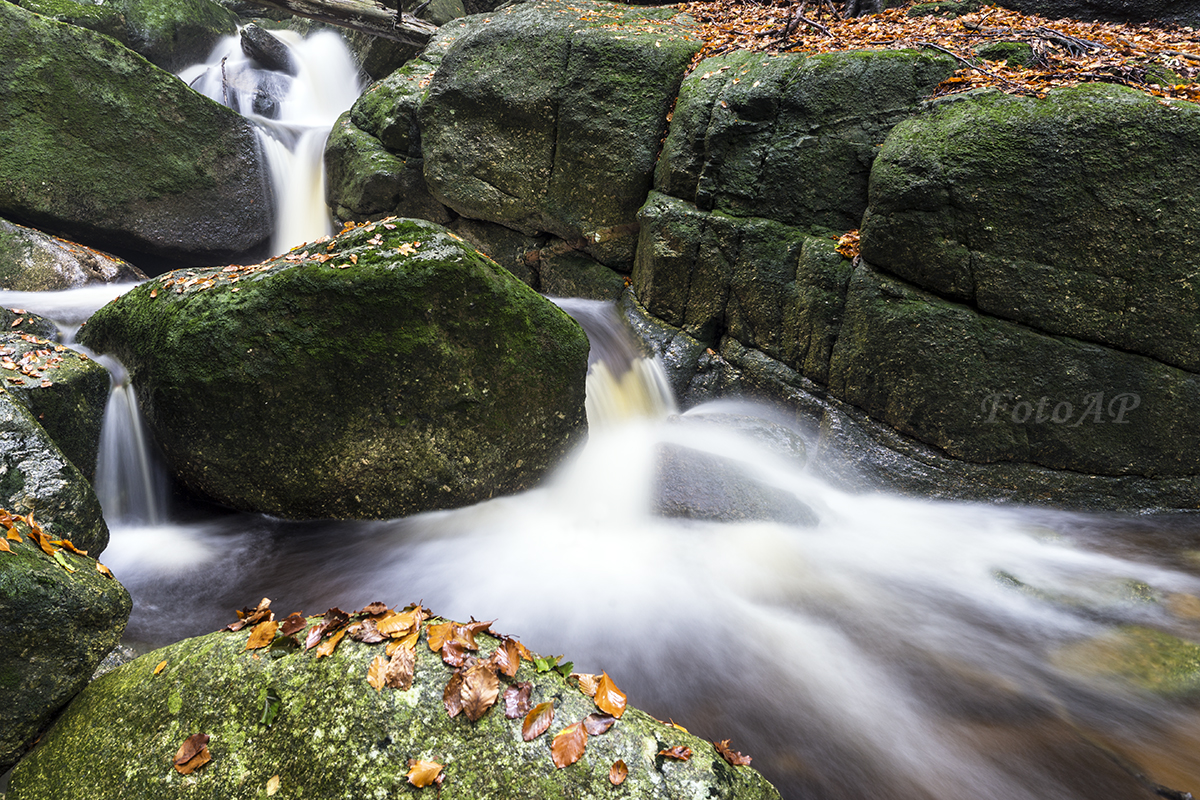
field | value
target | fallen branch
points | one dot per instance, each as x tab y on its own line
359	15
975	67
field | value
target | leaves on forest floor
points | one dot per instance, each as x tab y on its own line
1160	59
537	720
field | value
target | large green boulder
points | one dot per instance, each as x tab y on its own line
791	138
100	145
389	371
988	390
1075	214
32	261
292	723
547	117
59	616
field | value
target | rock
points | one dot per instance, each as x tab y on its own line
55	627
36	477
959	207
548	119
790	138
426	378
20	321
162	170
64	390
174	34
267	49
1184	12
1140	657
103	18
1013	54
32	261
334	736
987	390
513	250
945	8
570	274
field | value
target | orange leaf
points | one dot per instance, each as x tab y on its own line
618	773
262	635
676	753
400	668
609	698
327	647
376	673
161	666
14	534
439	634
732	756
4	548
105	571
192	754
507	658
568	745
452	696
423	773
480	688
587	683
409	641
537	721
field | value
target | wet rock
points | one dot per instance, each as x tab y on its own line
425	376
265	48
1184	12
32	261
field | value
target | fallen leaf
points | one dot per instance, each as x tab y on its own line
374	609
677	753
618	773
366	632
568	745
409	641
537	721
609	698
507	657
161	666
452	696
454	653
400	668
376	672
293	623
732	756
262	635
423	773
597	724
439	634
105	571
480	688
4	548
327	647
192	754
516	699
587	683
272	785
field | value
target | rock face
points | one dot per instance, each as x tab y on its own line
391	371
334	736
55	627
143	166
31	261
1184	12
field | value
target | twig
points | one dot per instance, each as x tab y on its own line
1181	54
1074	45
224	84
818	26
967	63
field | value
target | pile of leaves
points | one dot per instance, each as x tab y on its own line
474	686
1160	59
55	548
33	363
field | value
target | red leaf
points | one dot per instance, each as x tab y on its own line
293	623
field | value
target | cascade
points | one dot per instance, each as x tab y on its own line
293	115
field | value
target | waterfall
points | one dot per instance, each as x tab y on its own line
292	114
130	483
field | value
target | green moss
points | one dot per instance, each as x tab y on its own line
1014	54
1142	657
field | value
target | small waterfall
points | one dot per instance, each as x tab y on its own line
293	115
130	483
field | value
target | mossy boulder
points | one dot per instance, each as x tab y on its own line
791	138
1075	214
1184	12
547	117
99	145
1013	54
988	390
55	627
389	371
334	736
1144	658
103	18
32	261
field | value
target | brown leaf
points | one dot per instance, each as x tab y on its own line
609	698
396	625
439	634
729	754
676	753
423	773
618	773
597	724
516	700
480	688
409	641
262	635
374	609
454	653
327	647
587	683
568	745
506	657
452	696
365	632
400	669
192	754
293	623
377	672
525	652
537	721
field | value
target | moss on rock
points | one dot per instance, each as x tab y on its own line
390	371
31	261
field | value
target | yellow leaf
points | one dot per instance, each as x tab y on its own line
262	635
161	666
423	773
327	647
272	785
376	672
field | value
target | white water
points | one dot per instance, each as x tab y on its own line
293	141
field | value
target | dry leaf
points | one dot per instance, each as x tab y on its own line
262	635
161	666
480	688
732	756
105	571
439	634
568	745
452	696
192	754
327	647
376	672
374	609
272	785
423	773
400	669
587	683
293	623
676	753
365	632
609	698
454	653
516	700
507	657
409	641
537	721
618	773
597	724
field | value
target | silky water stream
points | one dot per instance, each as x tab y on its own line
899	648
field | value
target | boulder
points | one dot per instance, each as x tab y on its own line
959	206
103	147
1183	12
390	371
791	138
547	118
314	726
267	49
103	18
32	261
55	627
